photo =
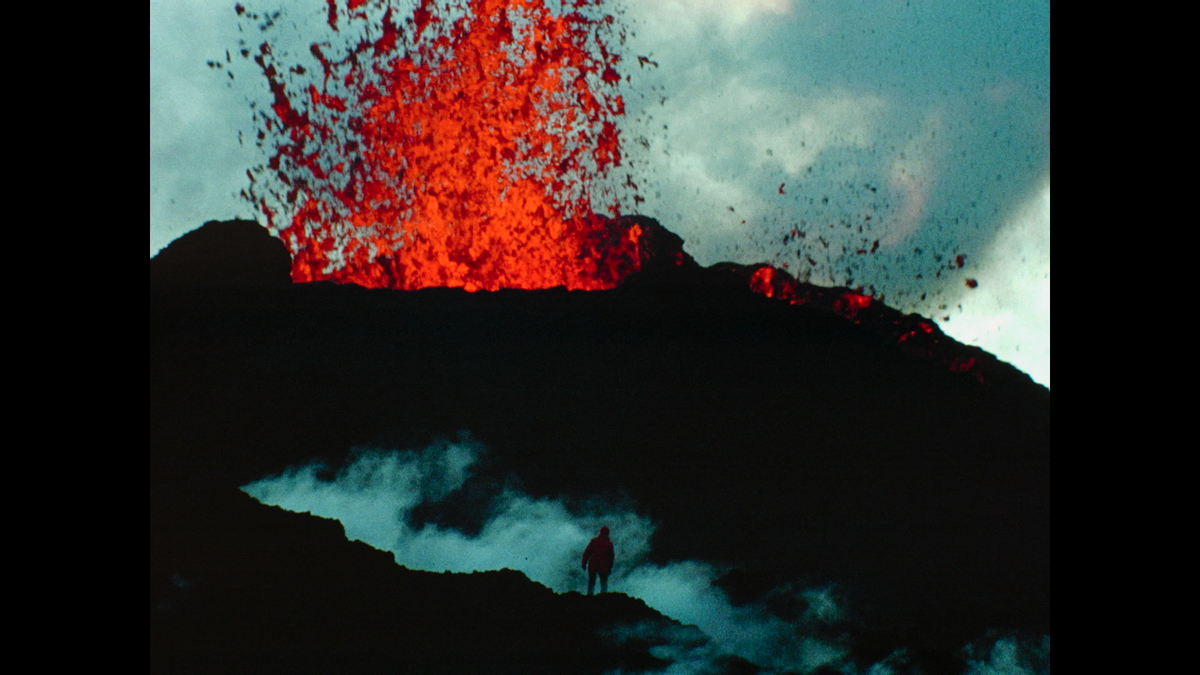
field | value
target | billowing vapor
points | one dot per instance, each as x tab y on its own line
379	495
1009	656
375	496
376	493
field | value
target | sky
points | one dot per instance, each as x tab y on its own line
375	495
921	124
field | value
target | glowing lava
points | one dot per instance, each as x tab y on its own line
914	334
461	147
467	146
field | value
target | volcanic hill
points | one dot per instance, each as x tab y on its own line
787	441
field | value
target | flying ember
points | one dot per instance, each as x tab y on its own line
464	146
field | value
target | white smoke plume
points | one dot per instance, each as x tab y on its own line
374	497
1009	656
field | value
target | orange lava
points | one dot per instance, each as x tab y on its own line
915	335
462	147
776	283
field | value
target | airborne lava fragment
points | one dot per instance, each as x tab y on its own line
463	147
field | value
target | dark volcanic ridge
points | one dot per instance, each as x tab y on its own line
788	439
228	254
243	254
289	594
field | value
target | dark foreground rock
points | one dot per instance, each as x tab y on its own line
229	254
244	588
782	440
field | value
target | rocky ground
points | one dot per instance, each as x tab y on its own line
785	441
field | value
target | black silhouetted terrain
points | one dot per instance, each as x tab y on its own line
230	254
783	440
256	589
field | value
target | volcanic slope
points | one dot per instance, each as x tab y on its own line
782	440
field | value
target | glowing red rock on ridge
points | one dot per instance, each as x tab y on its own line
462	147
913	334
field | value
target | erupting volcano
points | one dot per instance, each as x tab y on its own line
470	146
813	483
467	147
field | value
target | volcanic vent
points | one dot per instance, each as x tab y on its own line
470	146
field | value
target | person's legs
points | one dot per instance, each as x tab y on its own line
604	583
592	581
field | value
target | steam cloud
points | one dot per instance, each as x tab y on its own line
376	494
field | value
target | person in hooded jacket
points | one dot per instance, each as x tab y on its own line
598	560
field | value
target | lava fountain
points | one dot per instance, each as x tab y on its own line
469	146
465	146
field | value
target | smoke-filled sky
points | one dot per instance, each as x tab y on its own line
779	131
378	493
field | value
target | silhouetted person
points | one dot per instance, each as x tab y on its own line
598	560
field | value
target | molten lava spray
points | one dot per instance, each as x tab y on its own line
461	147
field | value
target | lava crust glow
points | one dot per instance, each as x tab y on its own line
461	147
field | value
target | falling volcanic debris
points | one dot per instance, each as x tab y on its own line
469	147
462	147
